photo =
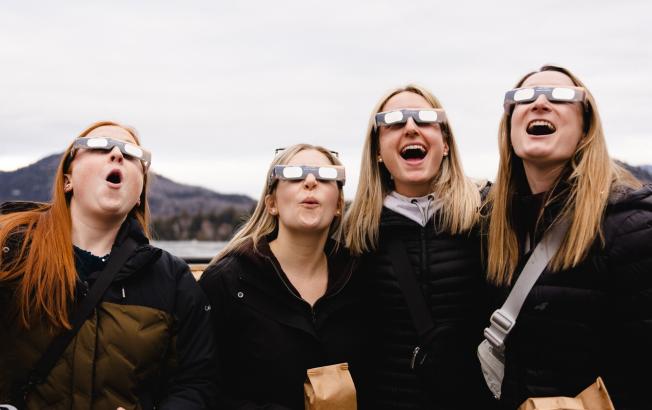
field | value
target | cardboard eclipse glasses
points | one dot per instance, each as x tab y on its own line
107	144
300	172
420	116
527	95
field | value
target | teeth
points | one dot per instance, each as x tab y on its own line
414	146
541	123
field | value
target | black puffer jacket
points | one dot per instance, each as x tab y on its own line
592	320
449	272
268	336
148	343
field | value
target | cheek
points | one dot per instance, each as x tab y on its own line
138	186
80	176
579	121
334	198
282	195
436	137
514	136
385	139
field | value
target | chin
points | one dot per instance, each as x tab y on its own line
536	155
114	210
312	226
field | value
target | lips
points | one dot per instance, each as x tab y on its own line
413	152
114	177
310	201
540	127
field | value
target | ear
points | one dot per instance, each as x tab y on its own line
270	204
67	183
445	152
340	207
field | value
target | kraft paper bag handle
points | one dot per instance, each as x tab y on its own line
594	397
330	388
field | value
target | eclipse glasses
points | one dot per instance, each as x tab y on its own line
420	116
527	95
300	172
107	144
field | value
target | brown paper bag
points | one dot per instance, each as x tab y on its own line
594	397
330	388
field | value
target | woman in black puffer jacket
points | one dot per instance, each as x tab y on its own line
589	314
284	293
414	200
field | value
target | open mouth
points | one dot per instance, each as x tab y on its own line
115	177
413	151
540	127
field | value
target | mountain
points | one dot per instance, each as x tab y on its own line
642	172
166	197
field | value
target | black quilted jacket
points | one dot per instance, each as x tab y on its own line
592	320
449	273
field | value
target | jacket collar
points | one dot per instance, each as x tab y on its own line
418	209
144	255
625	197
270	274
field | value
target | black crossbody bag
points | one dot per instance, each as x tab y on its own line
60	342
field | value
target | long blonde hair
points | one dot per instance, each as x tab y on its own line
459	195
262	223
44	267
590	175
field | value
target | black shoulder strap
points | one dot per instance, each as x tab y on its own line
59	344
413	296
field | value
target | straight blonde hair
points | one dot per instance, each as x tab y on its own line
459	195
590	174
44	267
262	223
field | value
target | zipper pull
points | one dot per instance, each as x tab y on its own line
415	353
124	295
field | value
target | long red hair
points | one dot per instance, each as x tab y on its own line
41	272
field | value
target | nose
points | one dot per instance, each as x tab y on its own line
541	103
310	182
116	155
411	126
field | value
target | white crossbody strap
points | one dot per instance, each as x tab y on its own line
503	320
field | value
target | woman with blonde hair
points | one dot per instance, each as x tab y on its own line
92	316
589	314
413	220
284	293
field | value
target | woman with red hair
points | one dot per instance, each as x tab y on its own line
144	342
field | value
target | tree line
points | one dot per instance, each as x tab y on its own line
212	226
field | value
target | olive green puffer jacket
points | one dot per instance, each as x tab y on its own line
147	345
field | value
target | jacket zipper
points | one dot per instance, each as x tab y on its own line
422	236
280	277
424	254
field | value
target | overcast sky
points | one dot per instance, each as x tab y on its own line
214	86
